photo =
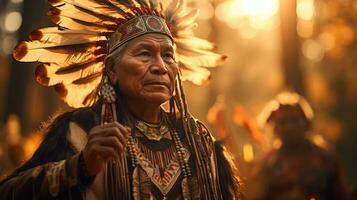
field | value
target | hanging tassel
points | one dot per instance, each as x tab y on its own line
136	184
118	173
185	189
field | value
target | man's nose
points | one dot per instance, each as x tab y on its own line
158	66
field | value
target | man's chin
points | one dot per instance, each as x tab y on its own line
157	98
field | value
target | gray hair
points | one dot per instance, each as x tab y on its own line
115	56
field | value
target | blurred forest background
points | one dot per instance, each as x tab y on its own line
309	46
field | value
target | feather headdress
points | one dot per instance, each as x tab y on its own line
285	98
72	54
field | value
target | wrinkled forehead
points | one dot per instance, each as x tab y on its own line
149	40
146	39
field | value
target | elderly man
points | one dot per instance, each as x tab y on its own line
122	63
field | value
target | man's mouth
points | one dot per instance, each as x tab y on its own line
157	83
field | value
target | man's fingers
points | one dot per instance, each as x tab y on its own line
126	131
109	132
106	152
114	131
112	141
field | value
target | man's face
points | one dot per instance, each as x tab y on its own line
147	69
290	124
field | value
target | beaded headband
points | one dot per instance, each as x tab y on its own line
136	27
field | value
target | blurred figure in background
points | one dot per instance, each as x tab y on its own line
298	169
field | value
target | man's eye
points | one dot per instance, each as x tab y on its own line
145	53
169	56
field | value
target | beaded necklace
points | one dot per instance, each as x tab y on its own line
138	157
152	131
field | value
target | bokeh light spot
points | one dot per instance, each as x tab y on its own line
13	21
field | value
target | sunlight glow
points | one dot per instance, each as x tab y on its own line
239	14
206	10
305	9
17	1
248	152
13	130
31	143
13	21
257	8
313	50
305	29
277	143
327	40
319	141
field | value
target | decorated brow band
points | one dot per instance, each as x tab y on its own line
138	26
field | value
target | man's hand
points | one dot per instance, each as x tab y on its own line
105	142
